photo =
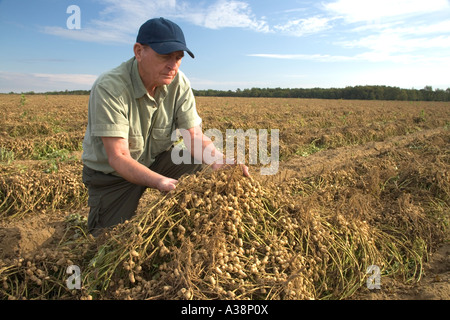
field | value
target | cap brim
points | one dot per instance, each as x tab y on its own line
169	47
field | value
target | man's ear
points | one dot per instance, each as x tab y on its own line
137	51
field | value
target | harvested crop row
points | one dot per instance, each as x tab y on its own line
23	191
223	236
42	147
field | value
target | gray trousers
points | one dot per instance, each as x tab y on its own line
112	199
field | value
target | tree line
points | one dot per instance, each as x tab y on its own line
347	93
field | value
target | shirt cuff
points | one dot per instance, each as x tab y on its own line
110	130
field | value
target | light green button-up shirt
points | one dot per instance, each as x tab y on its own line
119	106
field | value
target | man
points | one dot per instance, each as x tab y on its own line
133	110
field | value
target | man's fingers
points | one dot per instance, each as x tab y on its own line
245	170
167	184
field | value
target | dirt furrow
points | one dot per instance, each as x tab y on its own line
332	159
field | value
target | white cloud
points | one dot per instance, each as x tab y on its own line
119	22
300	27
406	43
403	76
91	34
403	40
374	10
77	79
309	57
42	82
229	14
393	43
369	56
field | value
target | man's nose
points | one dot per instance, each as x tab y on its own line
172	64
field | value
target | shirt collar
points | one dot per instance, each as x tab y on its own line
138	85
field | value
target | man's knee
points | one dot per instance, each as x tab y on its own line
112	200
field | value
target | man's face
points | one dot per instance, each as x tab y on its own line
156	69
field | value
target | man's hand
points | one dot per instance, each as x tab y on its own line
216	166
245	170
166	184
195	137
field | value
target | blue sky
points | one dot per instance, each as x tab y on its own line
237	43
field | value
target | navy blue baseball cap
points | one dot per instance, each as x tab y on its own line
163	36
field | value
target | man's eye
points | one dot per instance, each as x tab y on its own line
167	57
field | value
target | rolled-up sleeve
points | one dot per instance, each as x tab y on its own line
108	114
186	112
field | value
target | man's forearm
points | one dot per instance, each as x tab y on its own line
120	160
134	172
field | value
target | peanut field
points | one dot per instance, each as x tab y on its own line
360	184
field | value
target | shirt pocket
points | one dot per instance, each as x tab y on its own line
161	140
136	145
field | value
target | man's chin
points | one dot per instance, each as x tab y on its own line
167	80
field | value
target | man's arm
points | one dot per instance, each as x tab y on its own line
120	160
198	138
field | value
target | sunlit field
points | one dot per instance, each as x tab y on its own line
362	192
